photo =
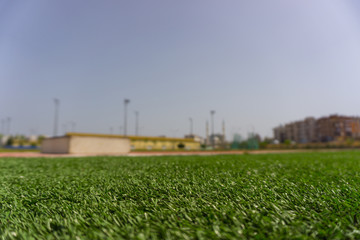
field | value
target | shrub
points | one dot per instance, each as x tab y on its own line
181	146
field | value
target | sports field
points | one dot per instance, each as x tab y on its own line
269	196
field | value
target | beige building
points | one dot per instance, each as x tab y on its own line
85	144
162	143
147	143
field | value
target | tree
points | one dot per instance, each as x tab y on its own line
10	141
181	146
40	139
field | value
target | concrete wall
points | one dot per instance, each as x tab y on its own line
55	145
163	144
99	145
86	145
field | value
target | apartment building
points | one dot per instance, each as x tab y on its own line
325	129
279	133
300	131
337	128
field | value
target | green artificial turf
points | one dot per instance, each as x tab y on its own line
273	196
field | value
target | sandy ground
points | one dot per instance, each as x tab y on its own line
160	153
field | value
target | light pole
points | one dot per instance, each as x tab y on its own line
212	112
136	123
56	119
126	102
191	126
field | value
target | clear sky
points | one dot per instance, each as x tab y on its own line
256	63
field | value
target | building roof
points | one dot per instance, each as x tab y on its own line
144	138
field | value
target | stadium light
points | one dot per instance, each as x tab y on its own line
126	102
212	112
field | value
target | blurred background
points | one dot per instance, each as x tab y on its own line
174	68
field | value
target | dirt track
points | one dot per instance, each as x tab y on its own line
160	153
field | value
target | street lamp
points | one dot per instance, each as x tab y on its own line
56	119
126	102
212	112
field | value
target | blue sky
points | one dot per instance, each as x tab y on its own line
256	63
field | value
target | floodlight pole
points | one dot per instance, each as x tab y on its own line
56	119
212	112
126	102
136	123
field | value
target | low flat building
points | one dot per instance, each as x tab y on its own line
196	138
162	143
85	144
114	144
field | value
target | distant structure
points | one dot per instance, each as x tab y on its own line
223	130
337	128
86	144
113	144
253	141
236	142
126	102
300	131
196	138
215	140
207	140
325	129
212	112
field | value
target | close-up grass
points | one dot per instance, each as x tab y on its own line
269	196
